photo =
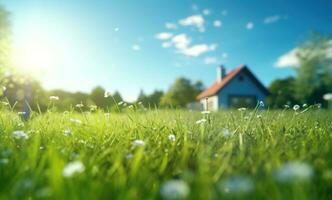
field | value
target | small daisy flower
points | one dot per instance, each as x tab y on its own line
80	105
138	143
294	171
226	133
172	137
73	168
174	189
107	94
75	121
206	112
20	135
242	109
201	121
296	107
54	98
21	113
236	185
67	132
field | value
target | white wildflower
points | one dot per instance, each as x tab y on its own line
206	112
294	171
259	116
139	103
305	105
80	105
120	103
20	135
129	156
138	143
172	137
54	98
286	106
261	104
226	133
131	106
236	185
327	97
107	94
76	121
93	107
242	109
296	107
201	121
72	168
21	113
174	189
67	132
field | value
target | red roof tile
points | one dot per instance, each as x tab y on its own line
218	85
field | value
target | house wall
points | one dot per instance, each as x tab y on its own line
236	87
212	103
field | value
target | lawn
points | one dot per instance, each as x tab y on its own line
167	154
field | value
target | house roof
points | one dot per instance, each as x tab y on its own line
218	85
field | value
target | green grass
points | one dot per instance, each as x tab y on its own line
203	156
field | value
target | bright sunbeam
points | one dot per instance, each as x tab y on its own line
33	56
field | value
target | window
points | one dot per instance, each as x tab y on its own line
238	101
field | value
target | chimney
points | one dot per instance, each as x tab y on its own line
221	72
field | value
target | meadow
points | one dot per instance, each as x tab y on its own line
141	153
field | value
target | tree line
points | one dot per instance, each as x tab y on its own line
313	79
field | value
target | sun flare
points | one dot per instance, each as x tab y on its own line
33	56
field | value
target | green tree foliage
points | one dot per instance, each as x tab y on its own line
314	76
152	100
97	96
281	92
181	93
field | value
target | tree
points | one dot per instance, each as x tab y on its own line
181	93
117	97
152	99
281	93
314	75
97	96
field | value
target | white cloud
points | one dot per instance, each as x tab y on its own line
272	19
166	44
164	36
289	59
210	60
250	25
206	12
224	12
194	20
136	47
170	25
217	23
198	49
181	41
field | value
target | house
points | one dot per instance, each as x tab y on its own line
237	88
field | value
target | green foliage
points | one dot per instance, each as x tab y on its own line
281	93
204	156
181	93
314	76
151	100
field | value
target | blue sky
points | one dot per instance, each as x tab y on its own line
128	45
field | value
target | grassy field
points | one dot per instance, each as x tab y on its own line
156	154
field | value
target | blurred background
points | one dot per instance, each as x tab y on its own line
161	53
